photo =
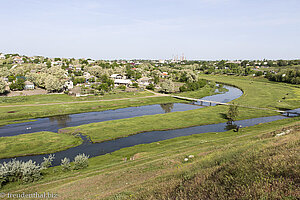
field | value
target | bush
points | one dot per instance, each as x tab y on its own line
30	171
16	170
47	161
122	87
135	85
81	161
150	86
65	164
192	86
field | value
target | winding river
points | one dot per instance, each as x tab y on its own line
96	149
55	123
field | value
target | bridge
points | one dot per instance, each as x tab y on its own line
201	100
288	113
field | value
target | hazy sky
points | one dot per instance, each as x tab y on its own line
151	29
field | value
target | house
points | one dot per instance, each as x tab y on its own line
91	61
28	85
59	63
164	75
2	56
69	84
117	76
125	82
144	81
18	60
78	68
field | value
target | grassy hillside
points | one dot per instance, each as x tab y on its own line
158	170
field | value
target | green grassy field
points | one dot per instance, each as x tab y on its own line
36	143
160	166
60	98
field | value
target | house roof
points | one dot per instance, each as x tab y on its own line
28	83
122	81
115	75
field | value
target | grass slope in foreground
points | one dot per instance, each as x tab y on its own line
36	143
244	158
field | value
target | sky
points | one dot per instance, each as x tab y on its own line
151	29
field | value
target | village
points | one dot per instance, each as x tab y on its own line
22	75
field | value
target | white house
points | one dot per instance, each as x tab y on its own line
117	76
144	81
87	75
18	60
125	82
2	56
69	84
91	61
28	85
59	63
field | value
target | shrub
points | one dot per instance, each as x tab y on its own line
30	172
65	164
81	161
47	161
136	85
150	87
16	170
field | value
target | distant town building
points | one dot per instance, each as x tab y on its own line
144	81
117	76
2	56
125	82
69	84
18	60
28	85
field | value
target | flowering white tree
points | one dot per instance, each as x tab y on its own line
2	85
168	86
52	83
4	72
56	71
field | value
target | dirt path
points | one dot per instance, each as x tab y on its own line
71	102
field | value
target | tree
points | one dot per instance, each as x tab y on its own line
232	113
135	85
150	87
4	72
2	86
167	86
56	71
18	84
48	63
96	71
11	78
53	84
